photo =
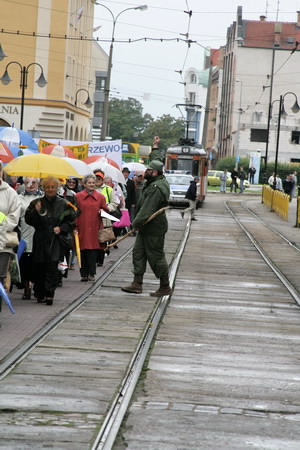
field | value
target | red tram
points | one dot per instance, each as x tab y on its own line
189	157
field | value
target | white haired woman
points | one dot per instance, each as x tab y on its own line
10	209
53	220
31	192
89	222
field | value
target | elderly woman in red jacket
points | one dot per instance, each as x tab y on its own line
90	202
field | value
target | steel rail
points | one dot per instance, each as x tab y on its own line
270	227
288	285
18	355
113	420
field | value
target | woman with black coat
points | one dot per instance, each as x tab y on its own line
53	220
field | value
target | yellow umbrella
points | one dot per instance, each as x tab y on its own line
77	248
40	166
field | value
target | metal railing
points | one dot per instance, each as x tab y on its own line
277	201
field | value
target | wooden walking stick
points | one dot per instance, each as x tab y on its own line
157	213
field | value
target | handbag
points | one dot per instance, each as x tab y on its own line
65	240
105	235
117	213
124	220
11	239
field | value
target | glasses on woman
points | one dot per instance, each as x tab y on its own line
71	181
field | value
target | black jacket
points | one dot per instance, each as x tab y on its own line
130	199
191	193
287	187
46	245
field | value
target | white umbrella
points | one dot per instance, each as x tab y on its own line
108	170
133	166
81	167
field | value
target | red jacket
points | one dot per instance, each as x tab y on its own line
89	221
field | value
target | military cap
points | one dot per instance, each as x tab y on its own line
156	165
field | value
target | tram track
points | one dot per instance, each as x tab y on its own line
114	418
55	352
31	343
254	231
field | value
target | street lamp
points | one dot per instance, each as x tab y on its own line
41	82
239	124
281	112
107	81
2	54
88	103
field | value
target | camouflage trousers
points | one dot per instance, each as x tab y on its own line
149	249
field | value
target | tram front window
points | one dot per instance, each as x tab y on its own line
182	164
185	165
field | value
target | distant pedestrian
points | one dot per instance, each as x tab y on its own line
130	200
223	179
242	177
295	183
278	185
288	186
191	196
234	176
252	172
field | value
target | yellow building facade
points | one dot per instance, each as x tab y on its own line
57	36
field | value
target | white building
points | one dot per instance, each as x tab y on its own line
242	120
196	82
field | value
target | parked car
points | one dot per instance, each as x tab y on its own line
179	184
213	179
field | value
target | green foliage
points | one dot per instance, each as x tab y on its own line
127	122
169	129
283	169
229	163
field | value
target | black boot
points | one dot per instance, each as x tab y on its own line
136	287
164	288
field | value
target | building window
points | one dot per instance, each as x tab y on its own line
258	135
193	78
192	97
100	83
98	109
295	137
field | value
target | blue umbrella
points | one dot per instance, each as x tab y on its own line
13	137
5	297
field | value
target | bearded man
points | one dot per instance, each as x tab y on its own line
149	244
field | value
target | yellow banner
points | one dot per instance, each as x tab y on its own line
80	151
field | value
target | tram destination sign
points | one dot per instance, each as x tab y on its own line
185	157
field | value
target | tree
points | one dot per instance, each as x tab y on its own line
169	129
126	120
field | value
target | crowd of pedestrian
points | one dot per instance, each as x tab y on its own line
288	186
39	220
237	177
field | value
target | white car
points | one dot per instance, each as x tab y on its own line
179	184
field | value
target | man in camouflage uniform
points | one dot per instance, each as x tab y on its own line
149	244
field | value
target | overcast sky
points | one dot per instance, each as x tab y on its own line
146	70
